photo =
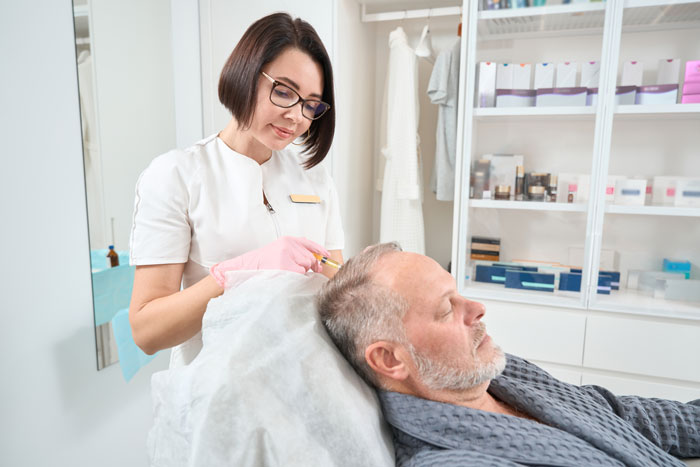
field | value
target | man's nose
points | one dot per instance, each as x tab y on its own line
473	311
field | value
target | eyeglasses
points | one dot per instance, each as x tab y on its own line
283	96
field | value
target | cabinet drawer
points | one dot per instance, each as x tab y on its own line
537	332
622	386
643	346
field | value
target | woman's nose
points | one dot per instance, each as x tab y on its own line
294	113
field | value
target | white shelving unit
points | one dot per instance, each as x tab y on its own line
595	226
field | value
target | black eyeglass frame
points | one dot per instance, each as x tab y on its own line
303	101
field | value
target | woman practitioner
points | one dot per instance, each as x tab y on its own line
240	199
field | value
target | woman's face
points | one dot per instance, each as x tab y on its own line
275	127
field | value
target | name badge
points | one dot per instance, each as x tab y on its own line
306	199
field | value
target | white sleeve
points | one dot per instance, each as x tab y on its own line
438	84
160	232
335	237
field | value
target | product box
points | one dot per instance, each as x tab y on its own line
690	99
614	277
504	76
485	248
590	74
529	280
548	97
630	192
580	183
658	94
610	187
592	97
677	266
571	282
486	95
664	190
692	71
687	192
522	74
515	97
632	72
544	75
490	274
679	289
566	75
669	69
648	281
625	95
691	87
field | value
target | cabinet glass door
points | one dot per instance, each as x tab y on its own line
650	251
528	152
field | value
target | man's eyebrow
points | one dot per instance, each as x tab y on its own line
296	86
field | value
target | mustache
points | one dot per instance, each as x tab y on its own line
479	334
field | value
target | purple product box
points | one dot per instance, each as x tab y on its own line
515	97
657	94
592	96
690	99
625	95
692	71
691	87
547	97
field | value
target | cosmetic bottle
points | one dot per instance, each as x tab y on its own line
503	192
572	192
479	185
552	189
519	182
112	257
536	193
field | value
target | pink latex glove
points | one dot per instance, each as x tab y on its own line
286	253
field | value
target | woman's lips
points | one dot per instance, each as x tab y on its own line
282	132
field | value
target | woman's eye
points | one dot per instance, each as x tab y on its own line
283	93
312	106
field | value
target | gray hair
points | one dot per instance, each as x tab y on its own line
357	311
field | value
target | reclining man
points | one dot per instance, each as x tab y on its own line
452	397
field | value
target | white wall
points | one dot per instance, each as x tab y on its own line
56	408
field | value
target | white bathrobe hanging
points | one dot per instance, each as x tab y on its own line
402	188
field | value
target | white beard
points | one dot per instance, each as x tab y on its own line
447	375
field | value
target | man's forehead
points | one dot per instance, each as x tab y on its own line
414	276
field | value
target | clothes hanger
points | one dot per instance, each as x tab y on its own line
424	48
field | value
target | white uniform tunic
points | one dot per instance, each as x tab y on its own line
205	205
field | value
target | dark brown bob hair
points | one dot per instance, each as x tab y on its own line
264	41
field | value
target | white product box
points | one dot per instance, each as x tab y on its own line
522	73
592	97
561	97
515	97
504	76
688	192
579	182
630	192
544	75
486	96
566	75
669	70
590	74
610	187
656	95
609	259
664	190
632	72
625	95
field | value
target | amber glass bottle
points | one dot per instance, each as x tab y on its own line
112	257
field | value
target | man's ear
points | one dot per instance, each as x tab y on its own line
385	359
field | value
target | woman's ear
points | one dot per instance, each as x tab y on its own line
385	358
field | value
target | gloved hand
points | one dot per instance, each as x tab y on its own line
285	253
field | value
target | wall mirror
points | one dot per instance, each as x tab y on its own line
125	77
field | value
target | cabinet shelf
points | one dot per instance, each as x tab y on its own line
658	112
528	113
637	303
650	15
527	205
653	210
485	291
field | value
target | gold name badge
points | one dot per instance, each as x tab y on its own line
307	199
